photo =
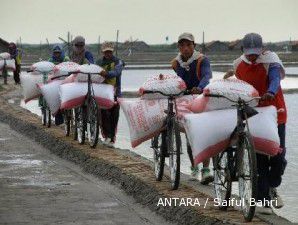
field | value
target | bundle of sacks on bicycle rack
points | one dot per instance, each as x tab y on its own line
145	115
7	62
208	122
213	120
63	91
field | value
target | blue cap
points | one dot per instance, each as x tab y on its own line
252	44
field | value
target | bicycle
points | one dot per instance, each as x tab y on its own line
46	117
168	142
4	72
87	117
237	162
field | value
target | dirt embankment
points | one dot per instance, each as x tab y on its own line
131	172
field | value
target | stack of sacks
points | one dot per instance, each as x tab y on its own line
43	67
214	119
29	83
231	88
209	132
145	116
167	84
7	61
73	93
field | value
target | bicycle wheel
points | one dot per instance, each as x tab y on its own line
81	123
158	146
74	123
49	118
67	121
247	172
43	116
93	122
174	149
5	75
222	179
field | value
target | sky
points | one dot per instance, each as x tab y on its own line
148	20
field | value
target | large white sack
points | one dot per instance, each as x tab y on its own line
73	94
43	66
145	117
80	77
1	64
65	68
9	64
231	88
4	55
90	68
29	82
209	132
50	92
168	84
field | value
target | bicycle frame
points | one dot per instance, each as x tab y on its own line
235	157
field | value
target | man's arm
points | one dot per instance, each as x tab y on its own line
89	57
206	73
117	71
274	78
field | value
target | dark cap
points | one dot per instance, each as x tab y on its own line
252	44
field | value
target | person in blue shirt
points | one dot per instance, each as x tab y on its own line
79	53
58	55
112	70
194	68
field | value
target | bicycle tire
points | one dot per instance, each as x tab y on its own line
67	121
75	119
158	146
246	143
94	122
222	179
43	116
173	137
49	118
82	124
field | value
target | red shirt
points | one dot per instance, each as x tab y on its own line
257	76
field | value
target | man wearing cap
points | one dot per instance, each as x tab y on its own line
79	53
15	54
112	72
194	68
264	70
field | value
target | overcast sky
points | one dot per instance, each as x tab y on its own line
148	20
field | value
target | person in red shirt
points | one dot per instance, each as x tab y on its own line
264	71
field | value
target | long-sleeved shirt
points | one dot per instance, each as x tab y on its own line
191	78
274	77
114	69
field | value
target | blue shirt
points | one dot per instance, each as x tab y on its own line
191	78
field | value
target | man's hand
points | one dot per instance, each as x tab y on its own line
103	73
196	90
267	97
228	74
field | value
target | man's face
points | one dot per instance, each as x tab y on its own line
57	54
186	48
252	58
108	54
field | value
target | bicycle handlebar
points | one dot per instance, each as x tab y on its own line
186	92
231	100
76	72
